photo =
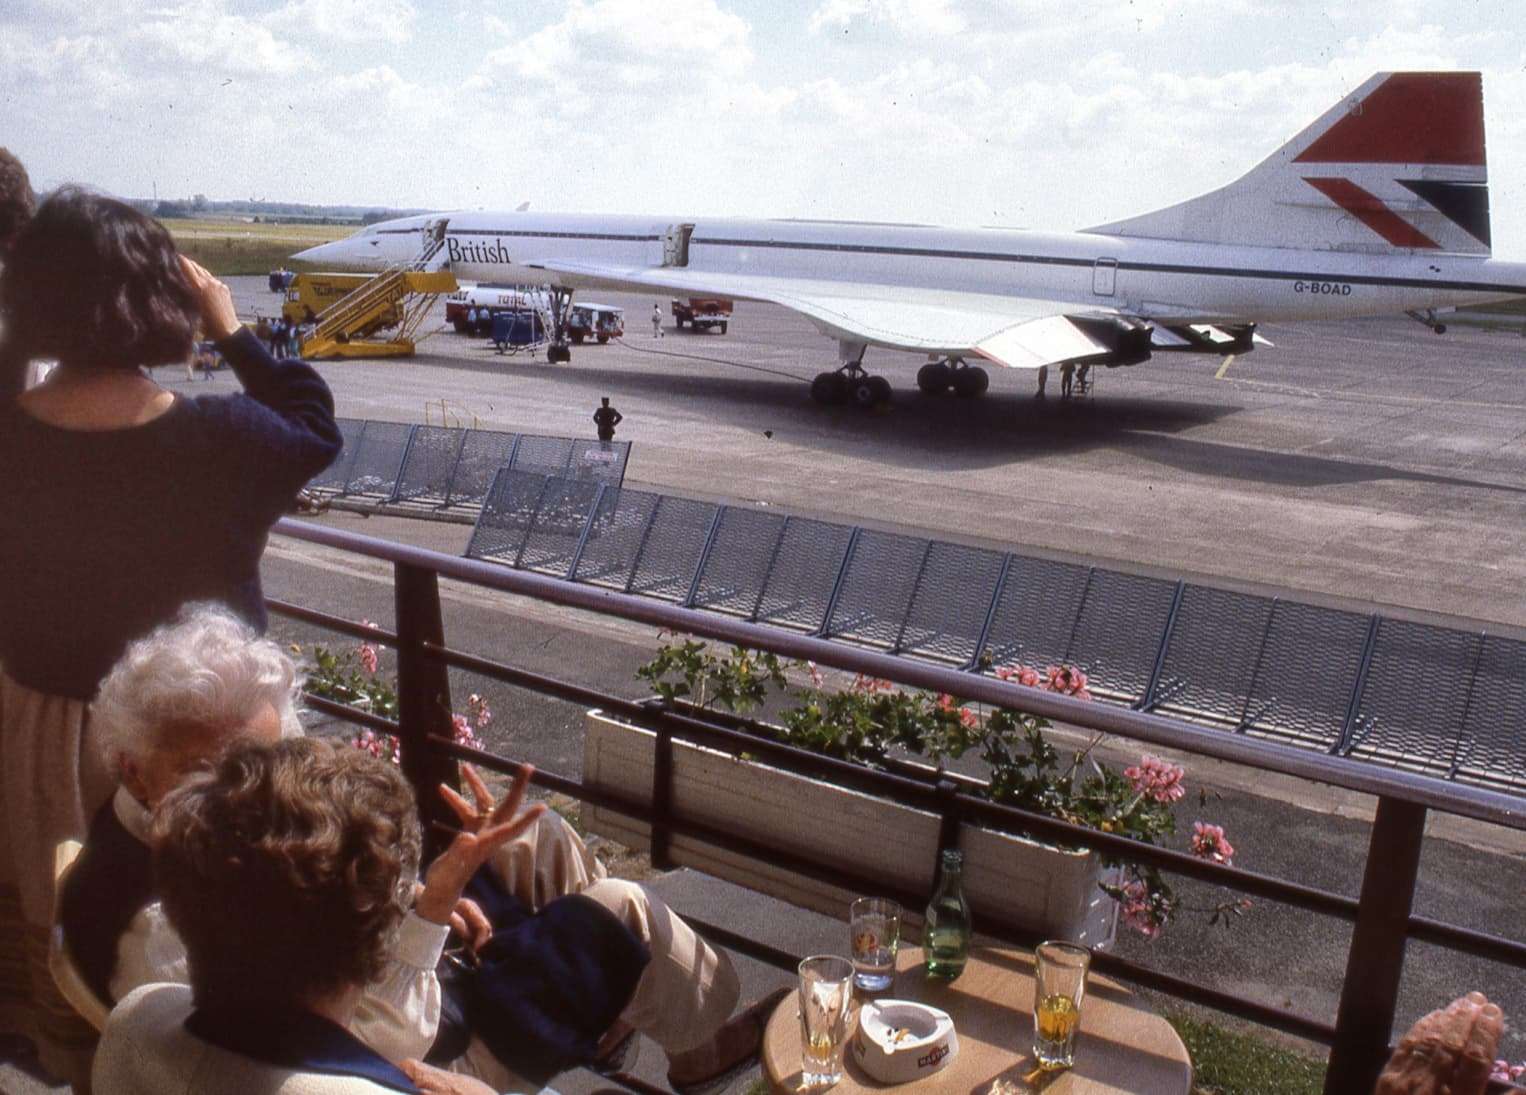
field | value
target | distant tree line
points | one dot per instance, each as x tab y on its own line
264	211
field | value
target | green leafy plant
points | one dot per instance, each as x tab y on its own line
871	719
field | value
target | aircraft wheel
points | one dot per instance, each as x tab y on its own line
869	391
1441	328
603	339
934	378
555	354
829	388
723	328
971	381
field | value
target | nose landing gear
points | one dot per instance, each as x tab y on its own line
967	381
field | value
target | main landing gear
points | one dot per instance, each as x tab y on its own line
968	381
561	310
850	383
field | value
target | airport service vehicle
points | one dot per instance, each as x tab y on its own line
517	332
309	295
1379	207
601	322
702	313
494	298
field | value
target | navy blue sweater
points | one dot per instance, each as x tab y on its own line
104	535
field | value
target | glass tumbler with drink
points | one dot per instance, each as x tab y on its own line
1060	986
826	999
874	930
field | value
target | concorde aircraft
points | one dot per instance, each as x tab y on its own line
1379	207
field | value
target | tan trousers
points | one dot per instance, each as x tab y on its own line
52	781
688	989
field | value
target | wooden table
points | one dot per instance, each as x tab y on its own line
1123	1047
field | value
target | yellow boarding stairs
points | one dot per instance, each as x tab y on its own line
343	326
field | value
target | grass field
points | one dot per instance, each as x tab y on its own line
228	247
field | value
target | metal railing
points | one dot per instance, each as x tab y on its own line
1439	700
448	468
1382	915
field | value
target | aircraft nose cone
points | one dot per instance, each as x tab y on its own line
321	253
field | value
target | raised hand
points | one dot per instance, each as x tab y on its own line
485	827
1447	1052
218	318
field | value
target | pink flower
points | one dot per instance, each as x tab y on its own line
1208	842
380	746
817	680
968	718
1157	779
367	655
463	731
482	714
1067	680
1018	674
1506	1073
871	685
1137	912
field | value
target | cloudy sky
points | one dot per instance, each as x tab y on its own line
1027	113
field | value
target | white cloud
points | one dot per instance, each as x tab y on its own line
619	44
347	20
906	17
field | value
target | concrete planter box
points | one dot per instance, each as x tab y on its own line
1055	892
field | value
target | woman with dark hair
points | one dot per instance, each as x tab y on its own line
119	503
287	872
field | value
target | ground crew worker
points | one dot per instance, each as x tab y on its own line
1067	379
1043	380
1082	385
657	321
606	418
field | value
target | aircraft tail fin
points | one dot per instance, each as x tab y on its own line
1396	166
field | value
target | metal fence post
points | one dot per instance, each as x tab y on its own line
773	557
1348	727
455	464
842	573
985	627
911	600
1375	962
1467	706
1147	701
397	480
593	515
704	556
662	789
423	693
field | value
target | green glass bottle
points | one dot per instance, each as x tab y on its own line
946	934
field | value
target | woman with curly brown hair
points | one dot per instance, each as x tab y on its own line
119	503
286	871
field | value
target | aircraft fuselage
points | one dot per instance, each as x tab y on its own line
1170	280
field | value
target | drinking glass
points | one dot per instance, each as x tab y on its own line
826	997
874	929
1060	978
